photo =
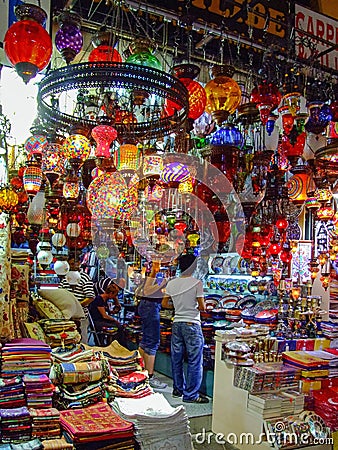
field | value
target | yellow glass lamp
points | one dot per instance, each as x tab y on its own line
127	158
76	148
223	93
8	199
193	238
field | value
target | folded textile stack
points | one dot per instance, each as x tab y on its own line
72	354
57	444
330	328
95	424
15	424
79	384
26	355
133	385
45	423
60	332
120	358
12	393
157	424
39	391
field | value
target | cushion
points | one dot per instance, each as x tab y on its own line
46	309
66	301
35	331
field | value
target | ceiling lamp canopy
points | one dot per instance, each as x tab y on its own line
27	44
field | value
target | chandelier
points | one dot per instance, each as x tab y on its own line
115	85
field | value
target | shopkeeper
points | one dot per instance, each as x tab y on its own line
99	311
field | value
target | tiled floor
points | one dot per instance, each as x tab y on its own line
200	419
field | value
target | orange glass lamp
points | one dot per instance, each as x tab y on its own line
325	213
52	163
314	269
223	94
27	44
298	184
32	178
323	258
104	135
325	280
127	158
295	292
8	199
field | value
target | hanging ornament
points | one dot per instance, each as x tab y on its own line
61	267
32	178
8	199
76	148
27	44
287	119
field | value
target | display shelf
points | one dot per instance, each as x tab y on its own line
230	418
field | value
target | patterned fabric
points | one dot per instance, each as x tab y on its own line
47	309
81	372
57	444
65	300
34	331
97	422
6	304
68	398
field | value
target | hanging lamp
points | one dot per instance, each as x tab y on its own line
68	39
27	44
223	93
103	48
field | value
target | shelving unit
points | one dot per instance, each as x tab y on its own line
230	418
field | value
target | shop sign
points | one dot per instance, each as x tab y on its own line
316	36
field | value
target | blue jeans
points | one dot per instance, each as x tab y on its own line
149	312
187	337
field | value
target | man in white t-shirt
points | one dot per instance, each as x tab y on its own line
185	294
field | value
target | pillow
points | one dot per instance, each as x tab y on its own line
66	301
47	309
35	331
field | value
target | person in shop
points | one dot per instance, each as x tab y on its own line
150	296
185	295
100	310
79	283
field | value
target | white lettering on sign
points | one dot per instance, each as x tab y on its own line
312	29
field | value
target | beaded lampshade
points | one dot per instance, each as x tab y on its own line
109	197
71	187
32	178
52	163
186	187
175	172
36	144
104	136
76	147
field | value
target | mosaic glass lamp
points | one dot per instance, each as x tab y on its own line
104	135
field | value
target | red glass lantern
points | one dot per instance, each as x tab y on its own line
197	97
287	119
295	148
27	44
274	249
180	226
282	224
103	49
267	97
104	136
286	256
